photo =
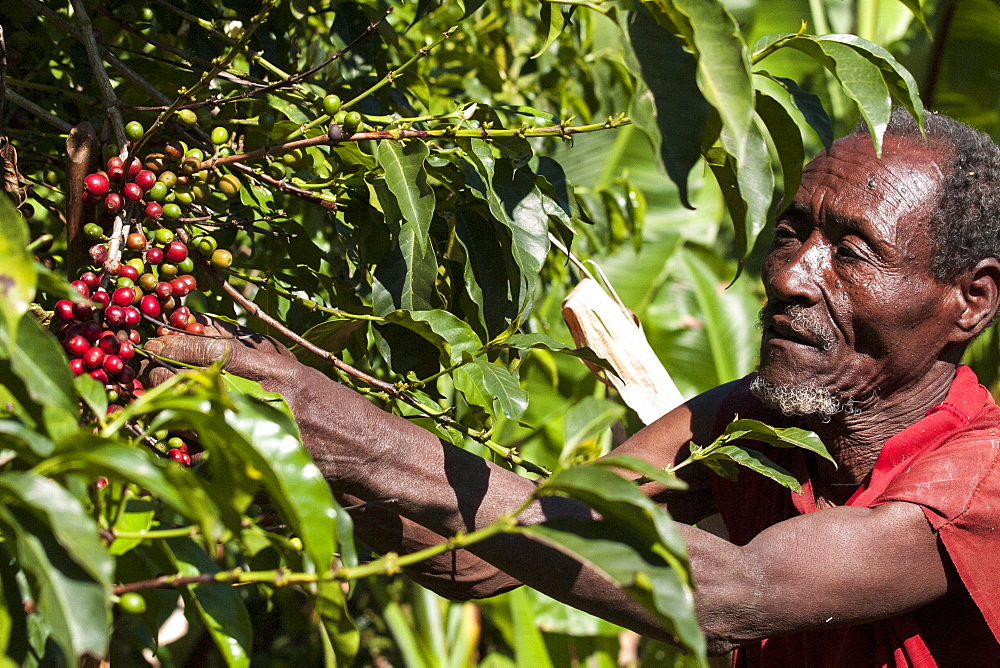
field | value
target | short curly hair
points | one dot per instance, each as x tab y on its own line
965	227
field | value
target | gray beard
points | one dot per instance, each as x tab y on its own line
803	401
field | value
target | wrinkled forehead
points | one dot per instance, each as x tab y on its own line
850	182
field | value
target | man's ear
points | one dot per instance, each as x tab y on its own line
980	297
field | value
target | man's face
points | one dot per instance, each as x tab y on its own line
852	256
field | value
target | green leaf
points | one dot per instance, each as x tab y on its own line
403	163
755	461
491	385
670	109
551	25
405	275
17	267
340	629
92	392
57	545
291	479
787	139
812	110
635	544
452	336
16	436
218	605
529	643
668	480
136	515
175	486
788	437
545	342
861	79
37	358
897	78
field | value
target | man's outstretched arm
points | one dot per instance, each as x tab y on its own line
836	566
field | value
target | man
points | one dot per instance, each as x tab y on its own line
880	274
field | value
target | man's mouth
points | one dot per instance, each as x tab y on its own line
797	325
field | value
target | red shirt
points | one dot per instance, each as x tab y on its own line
948	463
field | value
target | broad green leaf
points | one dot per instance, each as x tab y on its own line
584	425
405	275
136	515
340	629
175	486
491	385
723	73
252	388
218	605
484	271
17	267
452	336
708	290
56	543
787	139
17	436
670	109
668	480
861	79
56	285
544	342
516	202
403	163
37	358
293	482
755	461
812	110
897	78
787	437
755	179
529	644
92	392
551	25
69	522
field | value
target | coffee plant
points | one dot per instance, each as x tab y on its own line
394	192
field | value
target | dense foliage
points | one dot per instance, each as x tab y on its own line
402	194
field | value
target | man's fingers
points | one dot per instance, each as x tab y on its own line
196	350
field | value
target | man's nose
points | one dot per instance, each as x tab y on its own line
795	278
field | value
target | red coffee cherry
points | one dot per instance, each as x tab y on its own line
90	279
90	330
116	168
97	184
113	202
129	272
81	287
114	315
154	210
76	345
176	251
164	290
76	366
145	179
133	168
64	310
126	350
112	365
179	287
154	255
101	297
109	343
150	305
132	192
82	311
190	280
123	296
98	253
132	316
93	358
195	328
180	317
99	375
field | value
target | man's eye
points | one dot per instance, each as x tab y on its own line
845	251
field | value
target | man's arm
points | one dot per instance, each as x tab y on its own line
835	566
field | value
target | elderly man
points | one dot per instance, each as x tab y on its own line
881	272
